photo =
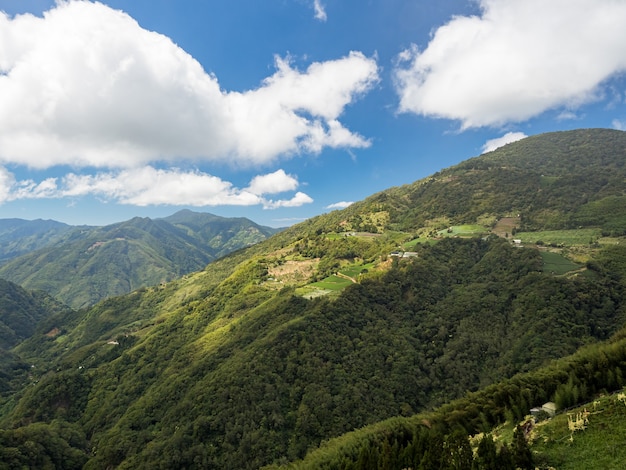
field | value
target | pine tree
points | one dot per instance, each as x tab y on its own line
486	455
504	459
522	456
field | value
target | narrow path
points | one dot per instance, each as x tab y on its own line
346	277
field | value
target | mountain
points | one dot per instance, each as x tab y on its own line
553	181
20	312
89	264
222	235
18	236
411	315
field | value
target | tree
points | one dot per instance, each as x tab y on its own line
522	456
486	455
504	459
457	452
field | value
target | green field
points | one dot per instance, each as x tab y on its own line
354	270
467	230
564	237
417	241
557	264
360	235
332	283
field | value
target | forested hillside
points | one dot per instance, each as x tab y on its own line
20	312
393	308
492	429
18	236
89	264
553	181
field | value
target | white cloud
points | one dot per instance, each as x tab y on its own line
273	183
11	189
567	116
85	85
150	186
299	199
515	61
320	11
616	123
7	181
507	138
340	205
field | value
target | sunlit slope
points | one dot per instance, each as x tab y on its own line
553	181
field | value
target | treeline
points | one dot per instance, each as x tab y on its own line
427	448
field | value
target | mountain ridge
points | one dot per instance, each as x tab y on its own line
86	264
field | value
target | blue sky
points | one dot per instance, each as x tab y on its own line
279	110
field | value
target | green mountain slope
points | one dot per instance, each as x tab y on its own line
91	264
588	436
18	237
551	180
240	365
244	376
20	312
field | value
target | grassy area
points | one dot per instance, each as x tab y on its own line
328	286
557	264
361	235
311	292
354	270
599	443
408	246
467	230
332	283
558	237
335	283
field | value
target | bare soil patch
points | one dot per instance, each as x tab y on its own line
294	271
53	332
506	225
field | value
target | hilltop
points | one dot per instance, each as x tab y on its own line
447	300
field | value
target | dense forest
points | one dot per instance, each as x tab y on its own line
327	335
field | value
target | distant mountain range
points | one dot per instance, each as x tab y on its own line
378	336
83	265
19	236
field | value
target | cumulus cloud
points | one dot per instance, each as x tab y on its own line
507	138
273	183
340	205
617	124
148	186
85	85
320	11
516	60
7	181
299	199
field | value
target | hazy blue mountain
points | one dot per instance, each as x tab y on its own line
19	236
